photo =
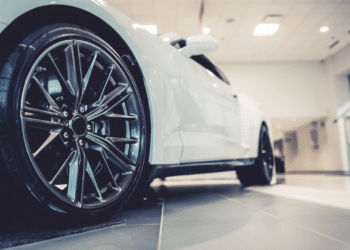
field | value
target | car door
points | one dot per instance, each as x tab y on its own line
230	106
204	123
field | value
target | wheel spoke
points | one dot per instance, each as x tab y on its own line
51	102
104	101
267	156
264	144
81	176
268	160
123	99
266	152
111	155
92	178
104	85
73	176
104	108
123	140
63	82
51	137
88	73
105	157
117	161
44	112
76	176
72	54
42	124
118	116
64	165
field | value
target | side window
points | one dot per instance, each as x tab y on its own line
179	43
206	63
176	45
223	77
202	60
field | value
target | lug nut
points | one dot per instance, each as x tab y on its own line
65	113
81	142
60	98
66	135
82	109
89	127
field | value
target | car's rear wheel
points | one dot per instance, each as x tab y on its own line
263	171
74	129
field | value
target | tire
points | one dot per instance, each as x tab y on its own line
263	171
73	130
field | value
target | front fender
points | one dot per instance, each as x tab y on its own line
153	56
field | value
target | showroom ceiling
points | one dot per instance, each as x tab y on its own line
232	22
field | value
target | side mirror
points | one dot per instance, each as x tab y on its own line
197	45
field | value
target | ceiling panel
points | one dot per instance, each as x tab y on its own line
323	9
257	9
145	10
235	10
136	2
119	2
280	7
302	8
213	9
298	38
165	11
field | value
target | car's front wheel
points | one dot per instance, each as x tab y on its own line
74	127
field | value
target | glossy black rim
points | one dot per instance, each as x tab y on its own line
80	123
267	154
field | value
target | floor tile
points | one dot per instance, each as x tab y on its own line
273	235
143	237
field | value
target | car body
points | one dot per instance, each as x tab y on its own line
195	118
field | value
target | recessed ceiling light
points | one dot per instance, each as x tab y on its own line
266	29
324	29
206	30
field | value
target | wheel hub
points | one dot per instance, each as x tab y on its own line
79	125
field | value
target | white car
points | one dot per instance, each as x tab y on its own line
92	104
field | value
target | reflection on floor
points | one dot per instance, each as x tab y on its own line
213	211
330	190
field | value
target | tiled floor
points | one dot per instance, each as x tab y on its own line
214	212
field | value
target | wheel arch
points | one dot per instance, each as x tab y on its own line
50	14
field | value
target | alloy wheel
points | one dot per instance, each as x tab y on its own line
81	126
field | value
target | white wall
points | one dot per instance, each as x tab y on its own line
341	61
283	89
337	68
307	158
